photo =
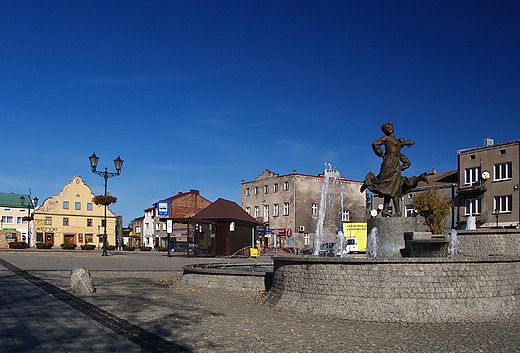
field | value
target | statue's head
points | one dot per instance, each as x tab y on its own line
387	128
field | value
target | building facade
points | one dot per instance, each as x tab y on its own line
180	208
15	224
488	184
288	205
71	217
446	182
148	227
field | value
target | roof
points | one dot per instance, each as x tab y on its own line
224	210
13	200
437	179
181	194
269	174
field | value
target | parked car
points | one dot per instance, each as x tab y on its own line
327	250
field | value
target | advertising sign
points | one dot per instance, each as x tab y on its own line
358	231
163	209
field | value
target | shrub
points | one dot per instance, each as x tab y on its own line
88	247
111	247
128	248
68	246
17	245
44	245
431	205
162	248
145	248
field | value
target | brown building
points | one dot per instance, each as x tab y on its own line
488	184
226	228
288	206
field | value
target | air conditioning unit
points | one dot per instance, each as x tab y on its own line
301	229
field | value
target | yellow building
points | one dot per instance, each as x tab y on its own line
72	217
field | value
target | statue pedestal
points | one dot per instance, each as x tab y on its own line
391	234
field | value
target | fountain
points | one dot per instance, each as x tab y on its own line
478	282
331	189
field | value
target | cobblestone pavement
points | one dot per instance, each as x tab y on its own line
141	304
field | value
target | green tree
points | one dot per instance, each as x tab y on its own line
433	207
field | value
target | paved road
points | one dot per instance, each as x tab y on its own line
141	305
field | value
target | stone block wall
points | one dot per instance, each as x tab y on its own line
249	283
486	242
412	290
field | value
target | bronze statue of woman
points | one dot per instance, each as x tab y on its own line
389	183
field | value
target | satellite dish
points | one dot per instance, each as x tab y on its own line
486	175
373	213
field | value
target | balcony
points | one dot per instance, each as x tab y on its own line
472	189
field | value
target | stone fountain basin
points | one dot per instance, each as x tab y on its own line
415	290
251	279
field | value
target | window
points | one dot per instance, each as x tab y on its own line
256	190
48	221
503	204
256	211
286	208
306	239
472	156
276	210
65	222
157	226
248	210
7	219
7	210
472	175
248	191
65	205
88	238
472	206
266	212
502	151
503	171
410	211
345	216
19	220
89	222
78	205
138	229
286	185
314	209
275	187
266	189
164	226
147	226
89	206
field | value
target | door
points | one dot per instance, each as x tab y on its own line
49	238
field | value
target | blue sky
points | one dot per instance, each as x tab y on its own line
204	94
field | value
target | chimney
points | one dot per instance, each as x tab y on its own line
488	142
196	192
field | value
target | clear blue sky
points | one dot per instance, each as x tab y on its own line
203	94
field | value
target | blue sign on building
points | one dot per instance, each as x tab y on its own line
163	208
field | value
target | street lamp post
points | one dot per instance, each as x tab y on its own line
29	217
93	164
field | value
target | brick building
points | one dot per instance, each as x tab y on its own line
180	208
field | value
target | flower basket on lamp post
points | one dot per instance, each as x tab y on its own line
104	200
